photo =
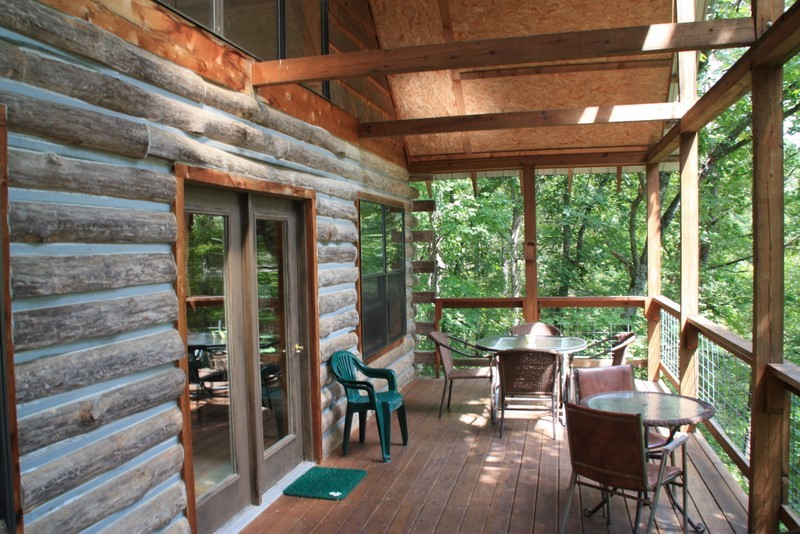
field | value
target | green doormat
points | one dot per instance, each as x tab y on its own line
326	483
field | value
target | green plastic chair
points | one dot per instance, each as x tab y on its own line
362	397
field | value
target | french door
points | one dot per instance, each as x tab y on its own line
244	272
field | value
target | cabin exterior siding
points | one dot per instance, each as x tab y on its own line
96	126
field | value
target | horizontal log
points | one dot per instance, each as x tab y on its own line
64	421
74	370
345	253
155	513
424	327
423	297
111	496
181	526
66	472
329	325
75	126
331	302
421	267
39	222
344	342
423	205
337	210
423	236
424	357
35	170
334	277
61	324
337	232
33	276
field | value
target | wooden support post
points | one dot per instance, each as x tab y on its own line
530	308
653	271
437	319
690	214
768	462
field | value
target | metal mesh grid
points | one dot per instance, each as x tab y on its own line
793	497
724	381
670	343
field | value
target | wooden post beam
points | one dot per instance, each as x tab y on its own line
652	312
639	40
530	308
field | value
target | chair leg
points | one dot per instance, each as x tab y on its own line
401	416
444	392
449	395
502	414
570	492
348	425
639	497
383	415
362	426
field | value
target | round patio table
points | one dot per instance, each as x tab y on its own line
561	344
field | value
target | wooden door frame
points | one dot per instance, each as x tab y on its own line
191	174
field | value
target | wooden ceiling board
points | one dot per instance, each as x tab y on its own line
407	22
479	19
424	145
640	133
564	91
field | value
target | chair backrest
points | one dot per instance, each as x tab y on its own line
622	343
606	447
344	370
542	329
440	339
528	372
593	380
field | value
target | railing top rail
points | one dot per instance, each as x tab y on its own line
788	373
669	306
480	302
632	301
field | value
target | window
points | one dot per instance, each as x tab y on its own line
267	29
383	276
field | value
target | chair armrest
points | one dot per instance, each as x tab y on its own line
378	372
597	344
678	440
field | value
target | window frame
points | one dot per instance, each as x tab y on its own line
389	342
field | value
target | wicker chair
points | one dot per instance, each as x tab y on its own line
607	451
541	329
593	380
527	376
477	366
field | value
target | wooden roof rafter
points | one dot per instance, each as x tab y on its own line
639	40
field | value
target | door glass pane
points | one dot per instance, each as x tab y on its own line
275	369
212	438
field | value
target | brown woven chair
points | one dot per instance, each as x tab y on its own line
593	380
540	329
527	376
607	451
477	368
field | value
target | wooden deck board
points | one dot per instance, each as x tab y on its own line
457	475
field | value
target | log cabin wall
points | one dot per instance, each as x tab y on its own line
95	127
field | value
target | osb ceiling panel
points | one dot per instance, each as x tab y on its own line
444	93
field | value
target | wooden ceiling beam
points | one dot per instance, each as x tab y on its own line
778	44
655	38
568	68
546	161
525	119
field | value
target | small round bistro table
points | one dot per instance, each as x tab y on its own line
561	344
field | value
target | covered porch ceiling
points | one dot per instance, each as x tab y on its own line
481	86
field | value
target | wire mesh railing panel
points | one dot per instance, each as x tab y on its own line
793	497
670	343
724	381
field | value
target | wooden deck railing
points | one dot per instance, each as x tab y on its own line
718	347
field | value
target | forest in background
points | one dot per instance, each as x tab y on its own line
591	235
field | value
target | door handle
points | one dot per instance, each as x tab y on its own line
298	347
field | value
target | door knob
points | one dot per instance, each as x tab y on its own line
298	347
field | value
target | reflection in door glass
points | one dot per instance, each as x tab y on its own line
212	440
275	405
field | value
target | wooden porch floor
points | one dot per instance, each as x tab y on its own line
457	475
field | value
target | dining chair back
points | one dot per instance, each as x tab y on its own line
607	452
540	329
477	368
527	376
593	380
363	397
